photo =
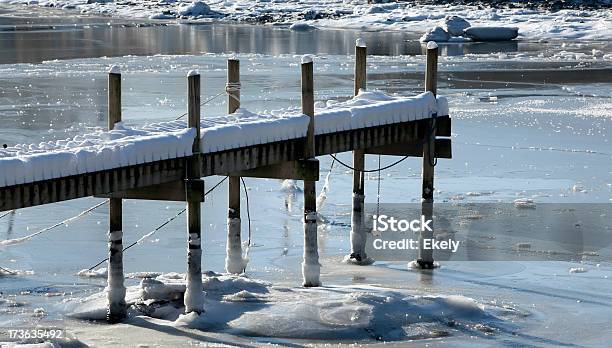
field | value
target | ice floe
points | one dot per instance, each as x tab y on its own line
351	14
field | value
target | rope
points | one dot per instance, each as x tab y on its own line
432	131
159	227
230	88
201	104
7	271
233	87
368	170
433	160
23	239
7	213
537	148
246	193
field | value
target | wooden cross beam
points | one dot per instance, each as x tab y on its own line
171	191
442	149
301	169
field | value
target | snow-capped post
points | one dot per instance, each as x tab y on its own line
116	310
194	296
358	238
425	258
234	262
311	268
360	65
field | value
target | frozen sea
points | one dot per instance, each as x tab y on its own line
530	120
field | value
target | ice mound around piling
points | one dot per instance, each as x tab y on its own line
249	307
125	146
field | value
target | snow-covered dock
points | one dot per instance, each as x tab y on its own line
124	146
167	160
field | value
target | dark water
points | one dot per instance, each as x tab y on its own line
32	39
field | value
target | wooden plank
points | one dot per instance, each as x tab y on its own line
443	126
307	169
75	186
136	176
171	191
425	255
311	268
357	234
194	298
234	243
117	308
360	68
443	149
308	107
429	145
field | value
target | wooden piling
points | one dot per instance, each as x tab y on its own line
194	297
234	262
360	66
357	237
117	308
311	268
425	259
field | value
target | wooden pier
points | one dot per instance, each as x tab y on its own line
180	179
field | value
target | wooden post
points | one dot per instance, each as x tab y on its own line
358	237
234	262
194	297
117	308
311	268
425	259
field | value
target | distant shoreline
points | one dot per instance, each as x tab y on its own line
553	5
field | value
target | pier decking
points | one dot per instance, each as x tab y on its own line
175	156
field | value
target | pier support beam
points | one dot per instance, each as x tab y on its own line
311	269
194	296
358	236
425	259
234	262
116	310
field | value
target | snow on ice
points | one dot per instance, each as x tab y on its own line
124	146
357	14
246	306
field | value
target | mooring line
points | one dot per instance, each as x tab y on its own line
160	226
431	132
229	88
538	148
368	170
23	239
7	271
